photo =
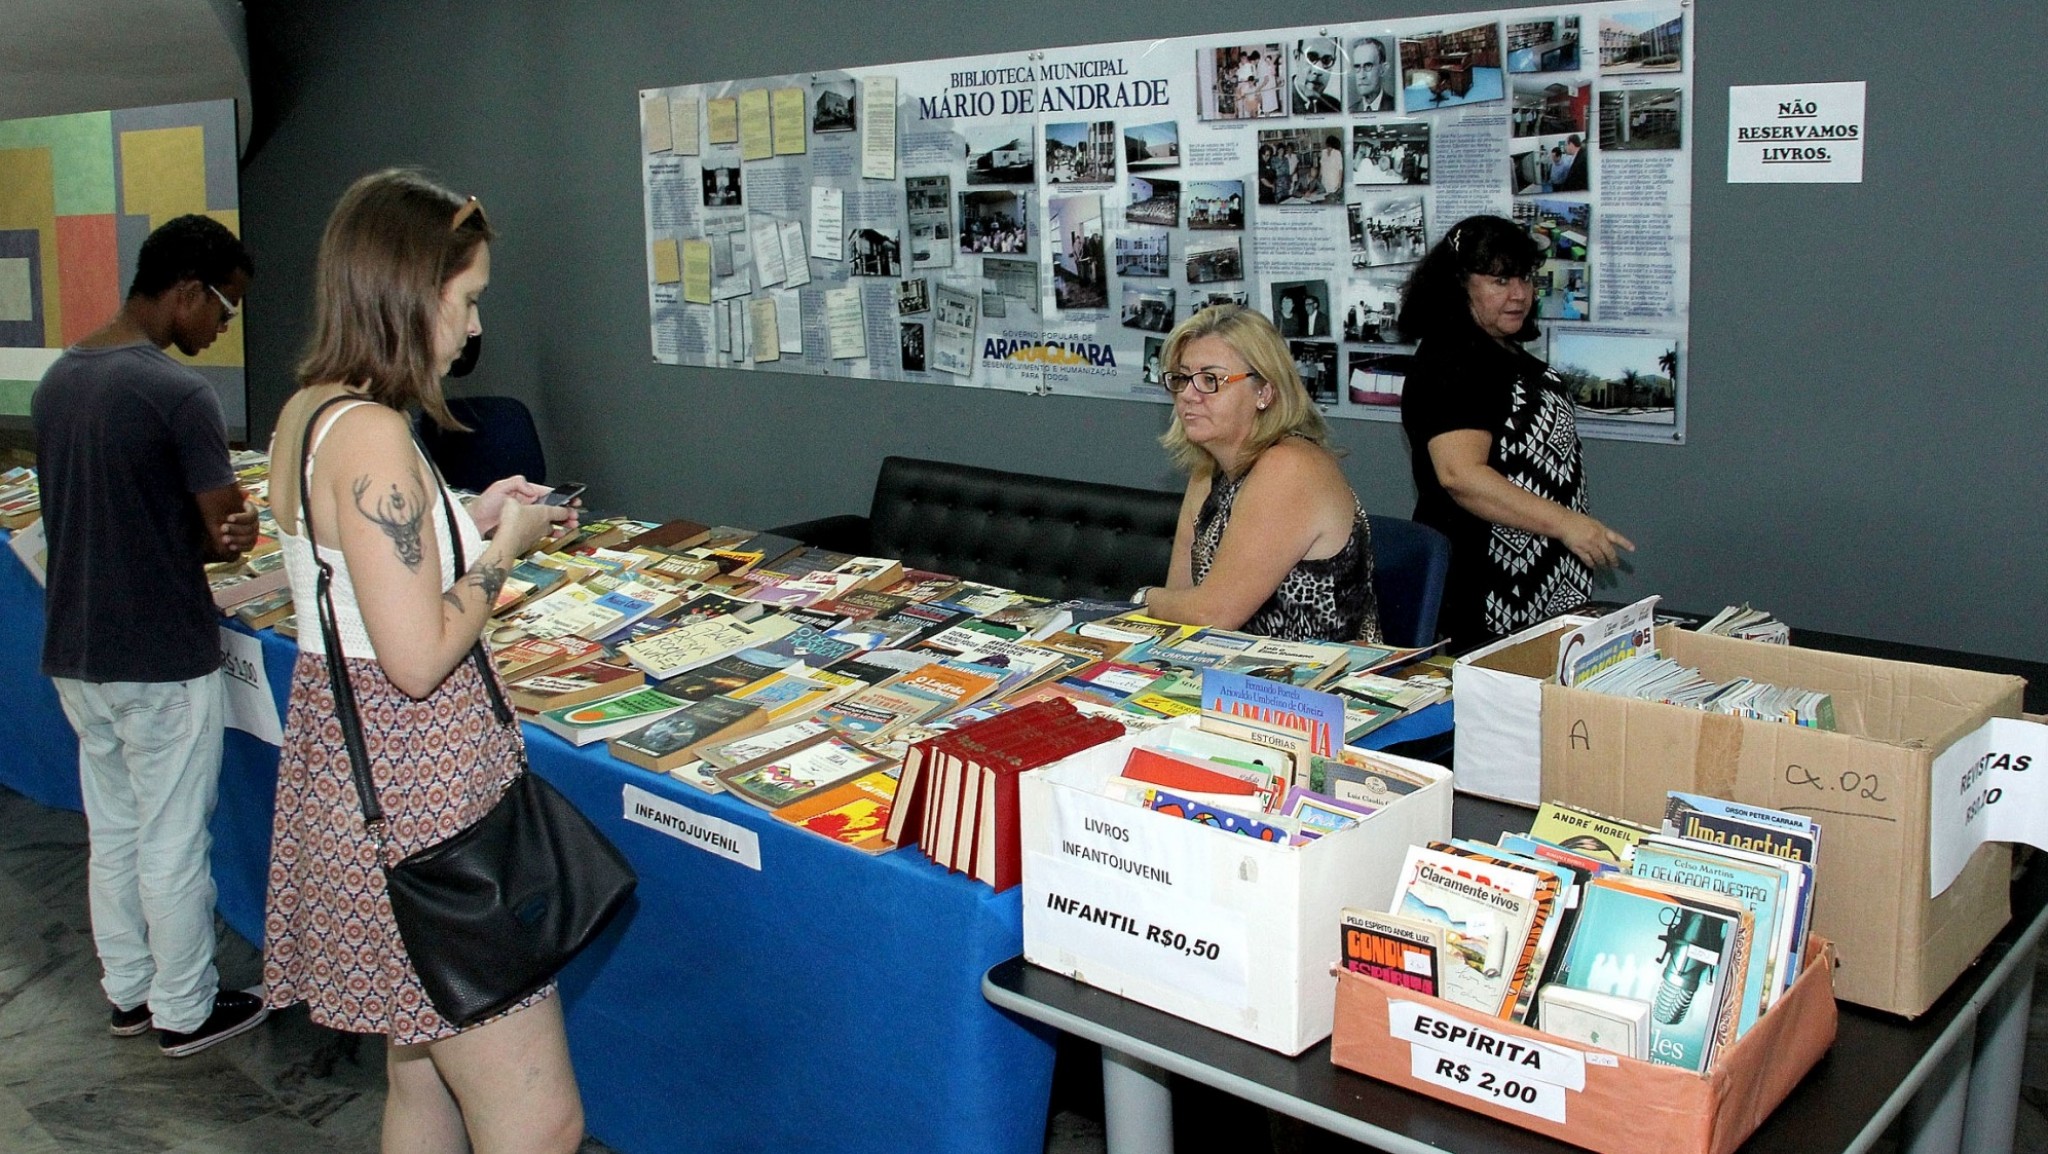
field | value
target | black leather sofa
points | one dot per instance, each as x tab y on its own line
1059	538
1044	535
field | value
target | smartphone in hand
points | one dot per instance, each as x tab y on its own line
564	493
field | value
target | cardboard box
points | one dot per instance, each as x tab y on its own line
1619	1105
1499	694
1222	929
1868	783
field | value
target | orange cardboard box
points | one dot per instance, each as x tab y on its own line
1624	1106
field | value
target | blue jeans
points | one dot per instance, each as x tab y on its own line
149	769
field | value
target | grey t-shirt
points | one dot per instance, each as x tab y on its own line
125	436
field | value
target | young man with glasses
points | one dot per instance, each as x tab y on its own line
138	494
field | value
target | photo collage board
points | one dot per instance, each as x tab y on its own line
1040	221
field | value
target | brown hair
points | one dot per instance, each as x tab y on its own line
1292	413
393	242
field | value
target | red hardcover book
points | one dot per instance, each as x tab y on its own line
929	793
1182	774
999	842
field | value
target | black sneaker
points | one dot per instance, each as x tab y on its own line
234	1012
128	1023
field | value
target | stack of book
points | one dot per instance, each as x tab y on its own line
799	679
1262	760
1749	625
1649	676
961	786
1664	945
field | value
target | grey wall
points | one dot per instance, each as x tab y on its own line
1865	418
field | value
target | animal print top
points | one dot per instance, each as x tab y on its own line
1326	599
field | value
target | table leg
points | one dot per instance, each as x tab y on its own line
1994	1093
1932	1123
1137	1106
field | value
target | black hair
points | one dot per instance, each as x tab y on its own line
189	247
1435	299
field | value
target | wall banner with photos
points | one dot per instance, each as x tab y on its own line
1039	221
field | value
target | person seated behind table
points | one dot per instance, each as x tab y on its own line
1492	440
1271	538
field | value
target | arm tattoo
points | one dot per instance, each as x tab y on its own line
486	577
489	578
398	515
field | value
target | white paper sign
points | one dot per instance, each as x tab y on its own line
1527	1060
828	217
1125	841
1608	641
1987	787
1135	929
712	835
878	127
845	324
249	705
765	234
1500	1085
796	263
1795	133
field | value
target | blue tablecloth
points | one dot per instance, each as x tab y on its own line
828	1001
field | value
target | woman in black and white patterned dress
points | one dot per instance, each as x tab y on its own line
1492	440
1271	539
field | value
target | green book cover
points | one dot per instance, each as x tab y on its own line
1637	944
610	710
1760	889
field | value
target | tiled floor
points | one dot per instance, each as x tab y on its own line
66	1085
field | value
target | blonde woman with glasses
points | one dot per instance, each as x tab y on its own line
1271	538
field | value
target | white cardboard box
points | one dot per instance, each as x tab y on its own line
1222	929
1499	695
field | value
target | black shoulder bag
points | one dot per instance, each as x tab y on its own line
493	913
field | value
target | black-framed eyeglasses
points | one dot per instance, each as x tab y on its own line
1322	60
228	311
1204	382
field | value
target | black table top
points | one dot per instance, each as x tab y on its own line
1845	1103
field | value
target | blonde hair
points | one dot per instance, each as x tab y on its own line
392	244
1253	337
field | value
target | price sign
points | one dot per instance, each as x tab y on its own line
1498	1085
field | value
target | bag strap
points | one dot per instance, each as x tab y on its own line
347	714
